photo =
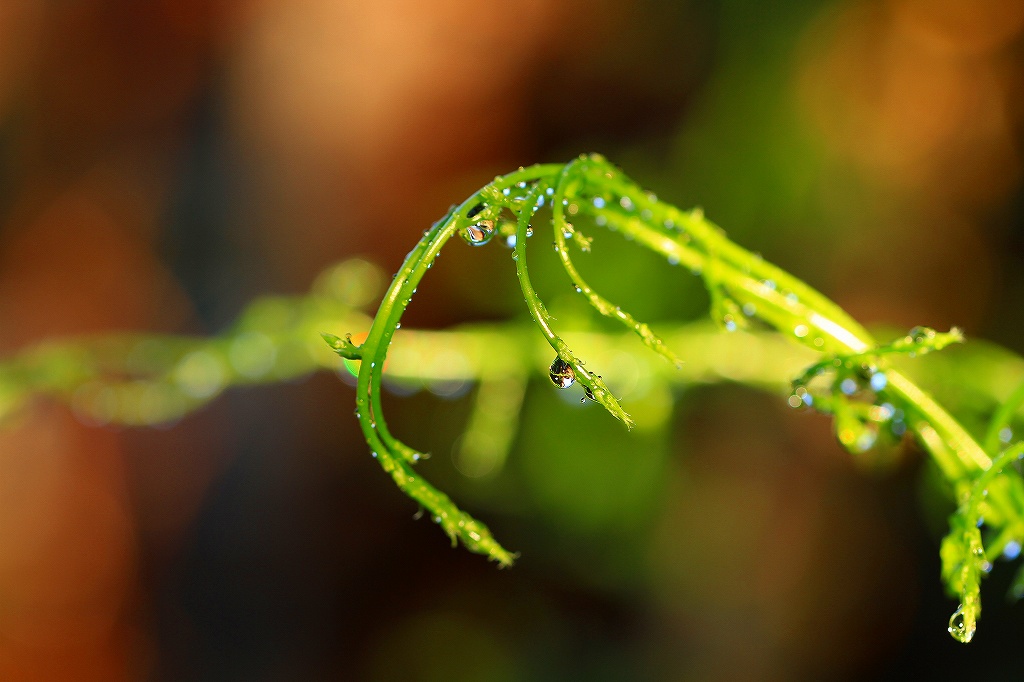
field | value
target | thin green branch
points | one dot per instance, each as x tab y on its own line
851	376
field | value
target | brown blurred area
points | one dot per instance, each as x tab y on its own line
163	162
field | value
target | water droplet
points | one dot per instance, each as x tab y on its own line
577	288
729	323
800	331
601	220
1012	550
478	234
374	455
921	334
398	325
673	259
506	191
626	203
794	401
1005	434
515	255
848	386
878	381
598	202
958	626
561	373
749	309
529	230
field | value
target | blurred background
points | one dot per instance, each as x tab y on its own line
162	163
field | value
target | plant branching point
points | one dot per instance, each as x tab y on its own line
854	381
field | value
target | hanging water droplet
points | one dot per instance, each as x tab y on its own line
479	233
1012	550
958	626
878	381
529	230
561	373
598	202
510	241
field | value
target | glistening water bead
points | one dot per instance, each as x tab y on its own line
479	233
561	373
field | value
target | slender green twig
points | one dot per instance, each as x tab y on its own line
847	372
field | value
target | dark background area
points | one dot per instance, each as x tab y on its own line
162	163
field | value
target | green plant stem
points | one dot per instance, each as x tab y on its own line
744	288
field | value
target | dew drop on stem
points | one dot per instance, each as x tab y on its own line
479	233
561	373
958	626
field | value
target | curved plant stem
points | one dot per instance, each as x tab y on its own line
847	373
